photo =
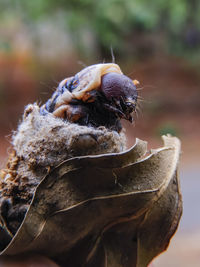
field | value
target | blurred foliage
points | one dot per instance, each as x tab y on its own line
139	27
167	128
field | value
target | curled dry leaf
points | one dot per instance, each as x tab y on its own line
71	191
119	209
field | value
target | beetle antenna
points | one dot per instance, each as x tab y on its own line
138	109
112	54
140	89
82	63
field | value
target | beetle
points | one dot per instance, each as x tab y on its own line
99	95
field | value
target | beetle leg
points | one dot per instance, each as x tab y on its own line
60	112
113	109
117	103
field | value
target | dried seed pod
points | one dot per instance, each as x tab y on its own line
79	189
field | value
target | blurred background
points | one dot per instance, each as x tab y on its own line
157	43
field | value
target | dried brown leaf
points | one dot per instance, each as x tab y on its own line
119	209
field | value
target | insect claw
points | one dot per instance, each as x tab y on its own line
130	118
